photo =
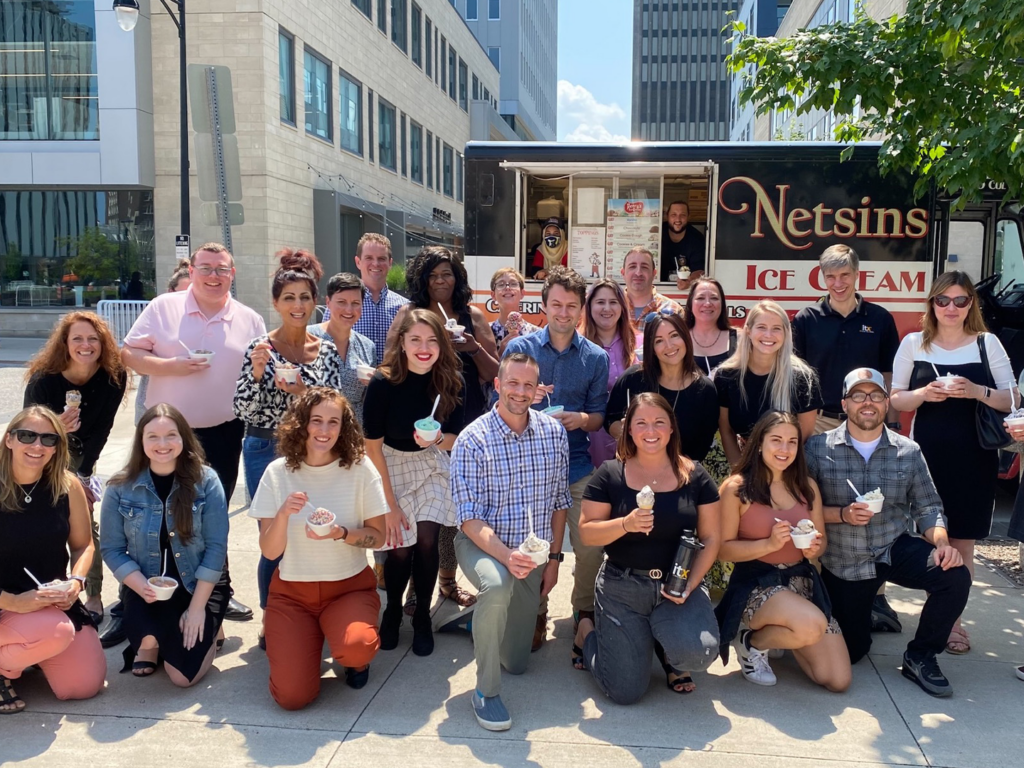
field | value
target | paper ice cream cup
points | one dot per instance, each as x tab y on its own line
164	586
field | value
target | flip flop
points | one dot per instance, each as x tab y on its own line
959	642
684	679
143	668
579	663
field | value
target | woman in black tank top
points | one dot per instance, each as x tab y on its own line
43	516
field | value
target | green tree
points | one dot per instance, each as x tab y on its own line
96	257
940	86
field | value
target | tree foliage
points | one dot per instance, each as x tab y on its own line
96	257
939	86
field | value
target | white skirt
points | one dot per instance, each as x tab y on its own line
420	481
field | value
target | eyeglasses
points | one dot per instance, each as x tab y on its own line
28	437
207	271
505	286
942	300
859	397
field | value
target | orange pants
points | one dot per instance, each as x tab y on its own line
300	615
73	662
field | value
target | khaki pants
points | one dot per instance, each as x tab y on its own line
824	424
588	559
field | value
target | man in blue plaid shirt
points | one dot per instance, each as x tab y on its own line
509	476
866	549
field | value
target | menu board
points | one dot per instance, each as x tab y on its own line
632	223
587	251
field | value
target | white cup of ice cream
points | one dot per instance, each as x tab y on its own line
457	331
947	381
553	410
320	521
164	586
683	273
289	373
427	429
803	534
874	500
58	585
205	355
364	372
535	548
1014	421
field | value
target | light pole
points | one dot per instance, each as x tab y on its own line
127	14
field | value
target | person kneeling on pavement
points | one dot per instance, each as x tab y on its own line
866	548
510	485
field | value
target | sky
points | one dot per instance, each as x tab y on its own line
595	55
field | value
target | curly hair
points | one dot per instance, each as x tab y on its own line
626	448
569	279
55	356
295	267
292	433
446	374
417	278
55	475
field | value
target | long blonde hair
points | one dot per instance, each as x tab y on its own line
974	323
55	474
786	367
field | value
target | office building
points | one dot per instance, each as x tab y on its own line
680	82
521	38
761	18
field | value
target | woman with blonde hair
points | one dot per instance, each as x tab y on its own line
420	367
79	376
954	342
764	374
44	517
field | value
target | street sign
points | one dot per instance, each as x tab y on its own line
181	247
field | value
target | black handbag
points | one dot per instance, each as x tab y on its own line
992	435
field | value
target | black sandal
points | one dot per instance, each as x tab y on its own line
684	679
143	668
8	697
357	679
579	663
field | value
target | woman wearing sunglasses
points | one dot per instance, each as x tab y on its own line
43	517
953	342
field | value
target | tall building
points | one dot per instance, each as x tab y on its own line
761	18
521	38
680	82
76	160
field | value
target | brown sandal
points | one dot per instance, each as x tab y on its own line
959	642
449	589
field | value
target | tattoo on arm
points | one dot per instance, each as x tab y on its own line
369	541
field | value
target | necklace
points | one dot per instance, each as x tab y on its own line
707	346
28	494
677	393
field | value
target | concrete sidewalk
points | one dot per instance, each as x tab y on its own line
417	711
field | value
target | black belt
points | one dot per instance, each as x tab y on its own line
261	432
656	574
833	415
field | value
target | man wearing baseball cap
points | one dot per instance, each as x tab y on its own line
866	548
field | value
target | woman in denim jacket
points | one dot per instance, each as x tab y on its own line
164	515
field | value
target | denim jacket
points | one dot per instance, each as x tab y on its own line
130	523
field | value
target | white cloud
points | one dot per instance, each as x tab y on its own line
586	118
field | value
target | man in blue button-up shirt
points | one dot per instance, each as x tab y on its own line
573	375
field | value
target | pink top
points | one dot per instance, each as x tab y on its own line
757	523
602	445
204	399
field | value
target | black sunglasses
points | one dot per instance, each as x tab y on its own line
942	300
28	437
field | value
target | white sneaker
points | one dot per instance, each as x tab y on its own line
754	663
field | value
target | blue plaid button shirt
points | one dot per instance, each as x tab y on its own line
377	317
898	468
498	476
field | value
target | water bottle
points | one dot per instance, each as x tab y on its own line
675	584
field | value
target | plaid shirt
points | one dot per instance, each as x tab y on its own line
658	305
897	466
377	317
497	475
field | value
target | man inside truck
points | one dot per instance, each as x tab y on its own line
682	245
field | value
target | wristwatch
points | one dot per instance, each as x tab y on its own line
80	579
558	556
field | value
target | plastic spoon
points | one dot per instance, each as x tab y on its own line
444	314
33	577
433	410
164	573
937	374
850	483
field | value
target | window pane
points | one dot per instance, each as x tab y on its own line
476	88
416	152
451	72
351	97
428	49
382	16
48	69
430	160
417	36
463	86
386	132
399	20
458	176
286	72
364	6
317	77
494	54
369	123
494	9
448	161
444	63
403	147
472	10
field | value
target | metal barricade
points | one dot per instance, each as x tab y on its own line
120	316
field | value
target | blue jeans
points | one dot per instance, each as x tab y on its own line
257	453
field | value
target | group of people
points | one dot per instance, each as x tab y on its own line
419	430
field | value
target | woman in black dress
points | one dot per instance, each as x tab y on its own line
438	282
164	515
79	376
954	342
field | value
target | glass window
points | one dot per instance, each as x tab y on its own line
351	98
472	10
382	16
386	132
416	28
444	63
494	54
55	241
317	77
369	123
476	88
403	146
430	160
399	23
416	151
428	55
286	72
494	10
364	6
463	85
448	162
48	70
452	58
458	176
437	162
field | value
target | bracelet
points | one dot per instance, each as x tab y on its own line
841	518
344	535
473	353
624	524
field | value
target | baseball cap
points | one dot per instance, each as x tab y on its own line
862	375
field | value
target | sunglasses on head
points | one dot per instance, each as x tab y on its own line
650	317
28	437
942	300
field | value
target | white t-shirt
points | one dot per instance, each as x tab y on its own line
354	495
865	449
910	351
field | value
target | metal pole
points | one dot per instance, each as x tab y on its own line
183	97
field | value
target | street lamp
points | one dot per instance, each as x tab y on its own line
127	14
